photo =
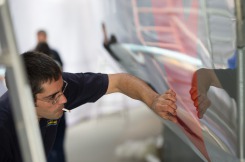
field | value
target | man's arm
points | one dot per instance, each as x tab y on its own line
164	104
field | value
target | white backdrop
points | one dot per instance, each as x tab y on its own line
74	30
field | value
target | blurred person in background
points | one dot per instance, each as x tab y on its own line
42	37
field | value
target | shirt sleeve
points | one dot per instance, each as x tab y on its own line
84	87
228	80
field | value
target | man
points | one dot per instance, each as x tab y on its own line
53	90
42	38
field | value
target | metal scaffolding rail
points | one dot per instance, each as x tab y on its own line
26	122
240	16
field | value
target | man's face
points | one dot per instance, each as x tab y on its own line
41	37
50	102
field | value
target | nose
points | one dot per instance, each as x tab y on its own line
62	99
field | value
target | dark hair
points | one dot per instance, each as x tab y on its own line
44	48
41	32
40	69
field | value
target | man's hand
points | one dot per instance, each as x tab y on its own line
164	105
200	85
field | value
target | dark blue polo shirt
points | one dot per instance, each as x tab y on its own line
82	88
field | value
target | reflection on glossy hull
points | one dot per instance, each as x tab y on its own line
166	43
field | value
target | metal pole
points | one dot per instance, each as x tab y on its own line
26	122
241	112
241	77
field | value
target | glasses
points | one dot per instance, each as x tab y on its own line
57	96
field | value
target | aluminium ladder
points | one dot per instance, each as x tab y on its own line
25	119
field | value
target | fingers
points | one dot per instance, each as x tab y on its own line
168	99
168	116
169	95
165	106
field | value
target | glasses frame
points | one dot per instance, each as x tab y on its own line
56	99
